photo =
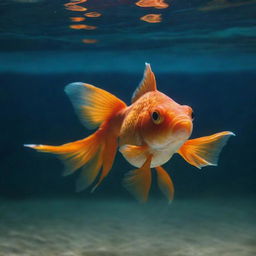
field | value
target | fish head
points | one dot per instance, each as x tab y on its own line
165	121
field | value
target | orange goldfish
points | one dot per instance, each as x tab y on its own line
148	133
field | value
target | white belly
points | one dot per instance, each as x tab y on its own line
160	155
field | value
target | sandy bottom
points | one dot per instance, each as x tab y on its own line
68	227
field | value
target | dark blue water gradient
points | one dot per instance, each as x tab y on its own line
35	109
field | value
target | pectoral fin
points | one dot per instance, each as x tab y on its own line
204	151
138	181
165	183
134	154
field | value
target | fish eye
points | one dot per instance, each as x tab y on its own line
156	117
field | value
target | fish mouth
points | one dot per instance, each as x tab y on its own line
176	133
182	127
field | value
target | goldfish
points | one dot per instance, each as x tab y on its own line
147	133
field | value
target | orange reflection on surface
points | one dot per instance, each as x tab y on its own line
75	2
222	4
82	26
152	18
158	4
77	19
76	8
92	14
89	41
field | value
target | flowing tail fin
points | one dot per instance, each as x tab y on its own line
95	107
89	154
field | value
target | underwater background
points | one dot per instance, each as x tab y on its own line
203	55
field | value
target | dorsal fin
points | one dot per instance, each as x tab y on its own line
147	84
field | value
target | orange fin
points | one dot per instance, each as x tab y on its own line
204	151
90	171
93	105
108	159
147	84
91	154
165	183
74	154
134	153
138	181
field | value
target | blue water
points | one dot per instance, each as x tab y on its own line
192	36
203	55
